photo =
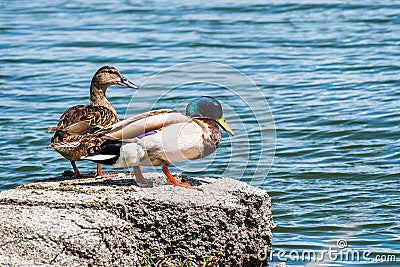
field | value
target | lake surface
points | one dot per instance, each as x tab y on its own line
329	71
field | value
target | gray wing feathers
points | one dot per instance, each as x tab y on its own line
135	126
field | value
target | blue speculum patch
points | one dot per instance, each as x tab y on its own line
147	134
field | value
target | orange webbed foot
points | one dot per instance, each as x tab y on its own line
173	180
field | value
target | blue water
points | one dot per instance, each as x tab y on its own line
328	69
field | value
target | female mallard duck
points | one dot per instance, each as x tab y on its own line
160	137
77	121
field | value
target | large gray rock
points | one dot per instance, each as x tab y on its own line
113	222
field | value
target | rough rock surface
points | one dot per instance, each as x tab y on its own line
112	221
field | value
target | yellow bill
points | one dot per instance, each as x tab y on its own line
225	126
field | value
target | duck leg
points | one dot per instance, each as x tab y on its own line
173	180
140	180
99	170
100	173
77	173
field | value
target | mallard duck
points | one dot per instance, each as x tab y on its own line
159	138
78	121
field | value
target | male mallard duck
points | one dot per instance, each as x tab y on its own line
160	137
77	121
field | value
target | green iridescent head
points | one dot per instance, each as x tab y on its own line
208	107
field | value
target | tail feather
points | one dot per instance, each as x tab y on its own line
79	128
53	129
64	145
108	153
98	157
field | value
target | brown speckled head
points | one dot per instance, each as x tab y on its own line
102	79
107	76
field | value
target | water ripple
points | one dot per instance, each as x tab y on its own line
329	71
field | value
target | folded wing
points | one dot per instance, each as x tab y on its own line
144	123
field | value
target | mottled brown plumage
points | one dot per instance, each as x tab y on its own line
78	121
75	123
